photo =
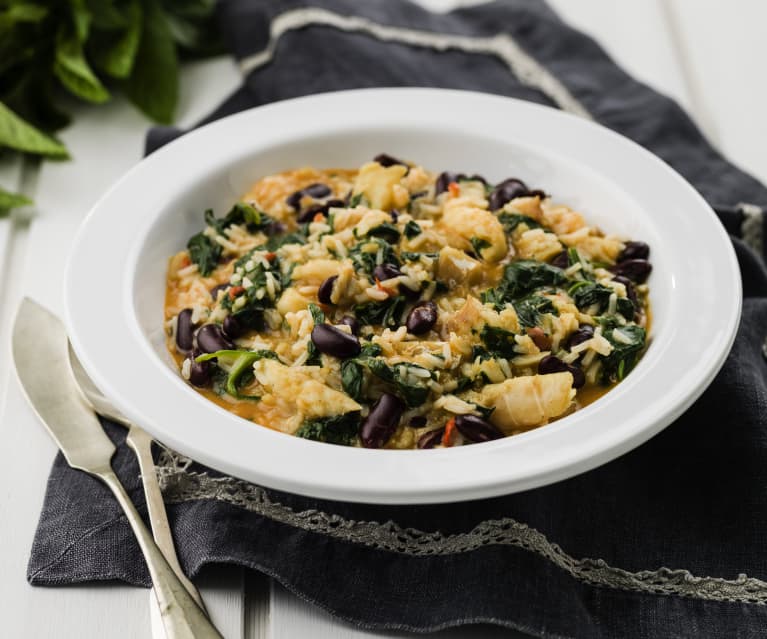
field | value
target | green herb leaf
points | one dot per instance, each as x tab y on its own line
338	429
204	252
74	72
153	85
17	134
10	201
369	253
116	55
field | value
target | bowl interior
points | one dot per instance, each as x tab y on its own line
602	202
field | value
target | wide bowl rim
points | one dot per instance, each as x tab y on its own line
325	471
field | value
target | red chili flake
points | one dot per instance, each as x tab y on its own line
454	188
235	291
270	256
448	435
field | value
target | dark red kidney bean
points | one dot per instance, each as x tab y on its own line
584	333
232	327
421	318
561	260
444	179
294	199
210	338
419	421
308	214
579	377
630	290
635	251
506	191
538	192
551	364
384	159
381	421
476	429
384	272
326	290
352	323
317	190
394	215
200	373
335	342
431	439
539	337
184	331
214	291
636	270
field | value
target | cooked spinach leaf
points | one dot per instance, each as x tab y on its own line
385	313
530	309
338	429
258	277
240	213
511	221
478	243
587	294
352	378
369	253
204	252
357	200
522	278
407	384
498	342
386	231
318	316
623	357
412	229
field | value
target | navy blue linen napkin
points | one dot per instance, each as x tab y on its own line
667	541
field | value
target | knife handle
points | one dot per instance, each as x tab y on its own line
182	618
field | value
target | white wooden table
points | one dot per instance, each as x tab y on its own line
673	45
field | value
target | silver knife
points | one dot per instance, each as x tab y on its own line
141	443
40	353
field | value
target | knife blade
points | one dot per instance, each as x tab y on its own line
40	354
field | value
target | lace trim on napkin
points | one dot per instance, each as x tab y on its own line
526	68
179	484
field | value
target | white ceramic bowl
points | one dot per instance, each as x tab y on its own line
116	277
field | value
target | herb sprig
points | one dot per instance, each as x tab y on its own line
89	49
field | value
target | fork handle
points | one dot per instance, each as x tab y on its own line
182	618
141	443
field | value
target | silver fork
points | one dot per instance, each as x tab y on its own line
141	443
